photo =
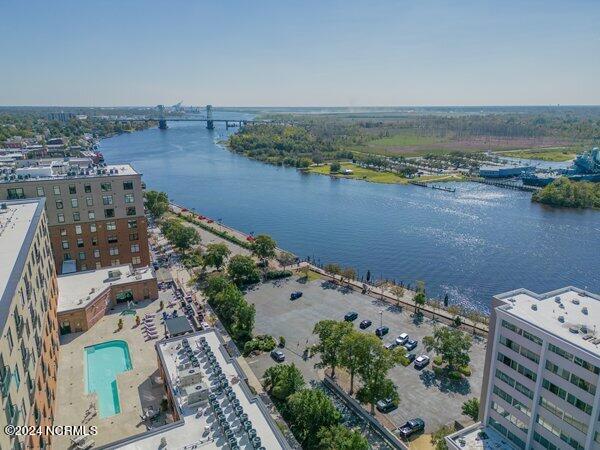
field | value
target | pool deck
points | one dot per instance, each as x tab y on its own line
137	388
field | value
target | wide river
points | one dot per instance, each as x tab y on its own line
471	244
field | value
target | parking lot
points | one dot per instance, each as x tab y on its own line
421	395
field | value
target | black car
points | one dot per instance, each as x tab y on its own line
365	324
382	331
386	405
411	357
295	295
411	427
410	345
349	317
278	355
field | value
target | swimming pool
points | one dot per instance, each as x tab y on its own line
103	362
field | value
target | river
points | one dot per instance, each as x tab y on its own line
471	244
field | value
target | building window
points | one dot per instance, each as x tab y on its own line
76	216
91	215
109	212
65	244
79	242
67	257
77	229
112	239
56	190
72	189
83	267
107	199
89	201
94	241
136	260
98	265
74	203
92	227
133	236
111	226
130	211
87	188
129	198
114	251
127	185
132	223
40	191
15	193
105	187
61	217
135	248
63	231
59	204
114	262
96	253
81	256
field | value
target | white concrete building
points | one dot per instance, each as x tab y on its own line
541	374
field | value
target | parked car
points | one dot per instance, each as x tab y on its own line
278	355
411	357
421	361
365	324
391	345
386	405
401	340
382	331
411	427
295	295
352	315
410	345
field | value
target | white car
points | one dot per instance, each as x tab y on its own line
401	340
391	345
421	361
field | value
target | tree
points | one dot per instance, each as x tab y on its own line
331	333
284	380
332	268
263	247
214	285
438	438
181	236
242	270
241	329
216	254
451	344
309	410
335	167
373	373
349	274
398	291
338	437
419	297
157	203
356	352
471	408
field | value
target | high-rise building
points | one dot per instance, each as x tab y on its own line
95	212
541	376
29	340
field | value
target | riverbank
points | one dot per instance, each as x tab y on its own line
356	172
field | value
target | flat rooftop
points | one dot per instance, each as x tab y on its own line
206	394
478	437
63	170
570	314
78	290
18	222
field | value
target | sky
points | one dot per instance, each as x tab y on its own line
299	52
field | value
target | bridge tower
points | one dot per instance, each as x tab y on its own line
162	123
210	125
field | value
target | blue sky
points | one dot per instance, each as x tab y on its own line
300	53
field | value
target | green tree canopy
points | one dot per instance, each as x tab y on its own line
451	344
216	254
283	380
242	270
356	352
437	438
263	246
309	410
157	202
331	333
420	296
338	437
181	236
335	167
471	408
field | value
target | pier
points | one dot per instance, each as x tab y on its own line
433	186
513	184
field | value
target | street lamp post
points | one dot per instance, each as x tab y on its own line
381	318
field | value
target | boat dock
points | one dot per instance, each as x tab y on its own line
433	186
513	184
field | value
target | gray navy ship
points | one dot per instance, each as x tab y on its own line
586	167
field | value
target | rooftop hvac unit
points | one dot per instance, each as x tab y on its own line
575	301
561	319
557	299
534	307
584	310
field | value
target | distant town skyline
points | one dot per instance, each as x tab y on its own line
351	53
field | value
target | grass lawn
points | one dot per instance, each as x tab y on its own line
558	154
312	275
360	173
